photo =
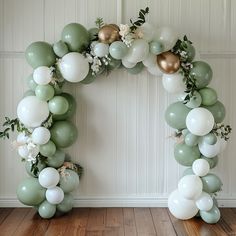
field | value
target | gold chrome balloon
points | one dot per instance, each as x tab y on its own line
109	33
168	62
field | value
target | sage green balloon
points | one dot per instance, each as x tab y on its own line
67	203
46	210
48	149
40	54
57	159
218	111
191	139
176	114
185	132
30	192
71	109
212	216
211	183
76	37
30	82
209	96
28	165
118	50
190	51
60	48
195	101
188	171
210	139
114	64
136	69
202	72
58	105
69	182
63	134
156	47
186	155
213	161
93	34
29	93
89	78
44	92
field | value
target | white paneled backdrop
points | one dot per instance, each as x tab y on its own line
123	141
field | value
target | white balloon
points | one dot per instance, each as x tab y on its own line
74	67
23	151
150	60
42	75
181	207
101	49
128	64
190	186
204	202
200	121
173	83
147	31
49	177
33	150
200	167
54	195
32	111
155	71
22	138
41	135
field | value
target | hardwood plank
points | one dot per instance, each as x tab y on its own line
144	222
228	220
96	221
162	222
129	222
4	212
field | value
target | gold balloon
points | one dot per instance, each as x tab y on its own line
109	33
168	62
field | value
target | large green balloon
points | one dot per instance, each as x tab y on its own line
209	96
186	155
114	64
211	183
213	161
218	111
63	133
76	37
40	54
28	166
176	114
57	159
136	69
30	192
30	82
212	216
48	149
46	210
202	72
44	92
58	105
89	78
69	182
60	48
67	203
156	47
210	139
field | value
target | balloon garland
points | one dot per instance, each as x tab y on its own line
81	56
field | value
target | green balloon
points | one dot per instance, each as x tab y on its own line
30	192
69	182
202	72
186	155
218	111
209	96
190	51
89	78
71	109
63	134
93	34
44	92
114	64
58	105
213	161
29	93
30	82
176	114
67	203
212	216
188	171
40	54
136	69
211	183
195	100
57	159
46	210
48	149
76	37
191	139
28	166
156	47
210	139
60	48
185	132
118	50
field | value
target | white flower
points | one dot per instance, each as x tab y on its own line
139	33
124	30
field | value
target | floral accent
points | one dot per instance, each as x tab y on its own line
126	35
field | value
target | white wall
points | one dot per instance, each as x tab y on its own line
123	141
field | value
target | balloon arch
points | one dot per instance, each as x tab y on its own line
81	56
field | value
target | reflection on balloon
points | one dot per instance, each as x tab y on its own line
109	33
168	62
49	177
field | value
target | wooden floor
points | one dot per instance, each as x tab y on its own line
112	221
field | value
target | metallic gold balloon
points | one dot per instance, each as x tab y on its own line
109	33
168	62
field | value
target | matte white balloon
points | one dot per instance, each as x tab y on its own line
55	195
49	177
204	202
200	121
41	135
32	111
200	167
22	138
150	60
23	151
155	71
190	186
74	67
42	75
101	49
147	31
173	83
181	207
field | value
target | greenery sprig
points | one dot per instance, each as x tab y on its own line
141	19
34	167
99	22
222	131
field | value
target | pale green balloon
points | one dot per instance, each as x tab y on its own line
89	78
195	101
191	139
93	34
211	183
30	192
30	82
46	210
185	132
156	47
218	111
29	93
118	50
57	159
44	92
212	216
176	114
60	48
136	69
114	64
67	203
28	166
188	171
210	139
48	149
58	105
69	182
209	96
213	161
186	155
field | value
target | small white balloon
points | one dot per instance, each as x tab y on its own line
155	71
200	167
42	75
173	83
200	121
49	177
147	31
22	138
101	49
41	135
23	151
204	202
190	186
54	195
150	60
